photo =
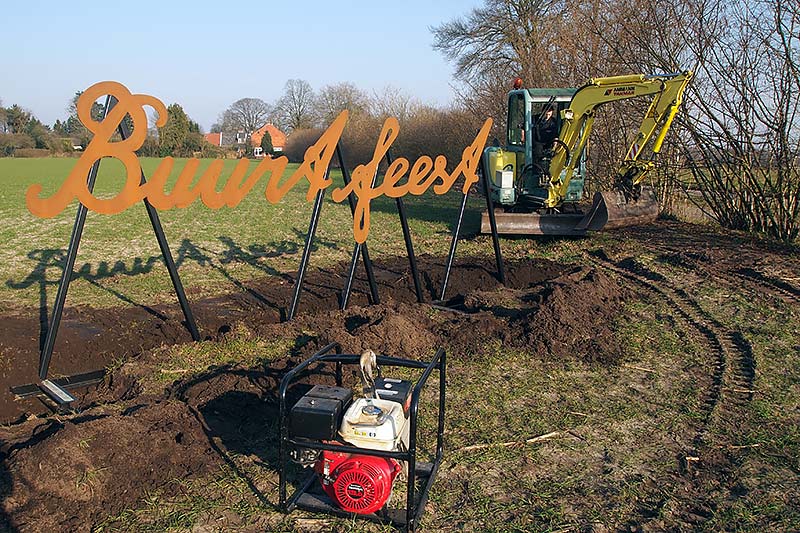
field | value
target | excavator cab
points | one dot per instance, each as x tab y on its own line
519	173
537	180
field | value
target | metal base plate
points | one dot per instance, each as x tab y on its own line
57	389
56	393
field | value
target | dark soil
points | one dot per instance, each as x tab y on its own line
70	472
90	339
47	457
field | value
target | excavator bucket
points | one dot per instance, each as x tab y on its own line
610	210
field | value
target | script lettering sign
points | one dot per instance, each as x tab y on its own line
422	175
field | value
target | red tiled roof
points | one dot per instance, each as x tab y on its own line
278	137
213	138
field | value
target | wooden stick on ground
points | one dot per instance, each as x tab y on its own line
649	371
533	440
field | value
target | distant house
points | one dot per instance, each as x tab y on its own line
227	139
278	137
238	139
213	138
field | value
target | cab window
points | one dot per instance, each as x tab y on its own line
516	120
538	111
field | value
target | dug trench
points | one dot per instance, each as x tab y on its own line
70	471
150	429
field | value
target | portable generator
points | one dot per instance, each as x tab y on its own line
357	448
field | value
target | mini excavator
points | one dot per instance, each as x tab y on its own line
537	181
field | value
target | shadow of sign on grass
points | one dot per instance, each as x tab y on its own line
49	267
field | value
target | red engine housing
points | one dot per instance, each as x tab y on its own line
357	483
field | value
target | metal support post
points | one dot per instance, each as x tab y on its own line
453	245
312	230
69	265
412	258
166	253
498	255
358	248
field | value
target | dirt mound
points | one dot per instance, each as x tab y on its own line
72	472
569	316
397	329
68	476
575	317
94	338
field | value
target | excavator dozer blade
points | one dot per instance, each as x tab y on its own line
610	210
534	224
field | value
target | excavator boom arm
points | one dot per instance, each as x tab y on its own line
667	92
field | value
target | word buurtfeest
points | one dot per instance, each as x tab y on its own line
422	175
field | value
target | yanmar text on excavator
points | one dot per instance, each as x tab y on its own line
537	180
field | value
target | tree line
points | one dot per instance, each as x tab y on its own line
304	113
737	137
24	134
301	112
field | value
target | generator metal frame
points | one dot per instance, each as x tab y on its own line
407	518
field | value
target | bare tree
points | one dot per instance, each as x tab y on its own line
739	131
516	36
333	99
548	43
745	122
295	109
245	114
394	102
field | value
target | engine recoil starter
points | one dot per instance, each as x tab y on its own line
357	483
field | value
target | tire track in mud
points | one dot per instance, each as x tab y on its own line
757	283
755	280
732	354
732	370
777	288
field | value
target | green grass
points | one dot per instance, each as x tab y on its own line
119	262
620	429
238	347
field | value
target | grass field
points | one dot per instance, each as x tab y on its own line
211	247
659	439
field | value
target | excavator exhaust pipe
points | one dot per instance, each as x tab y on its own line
609	210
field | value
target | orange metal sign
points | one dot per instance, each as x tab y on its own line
424	173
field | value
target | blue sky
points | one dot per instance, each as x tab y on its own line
205	55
